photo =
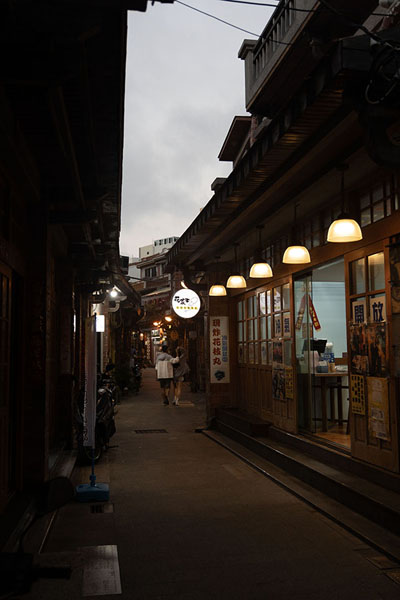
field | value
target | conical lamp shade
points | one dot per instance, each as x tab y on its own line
236	281
217	290
296	255
260	269
344	229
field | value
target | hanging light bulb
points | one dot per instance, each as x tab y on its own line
344	228
296	254
218	289
236	280
260	268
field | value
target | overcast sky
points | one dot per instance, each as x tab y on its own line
184	85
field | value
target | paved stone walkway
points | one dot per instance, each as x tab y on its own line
190	521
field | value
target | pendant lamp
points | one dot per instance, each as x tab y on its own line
295	253
260	268
217	289
344	228
236	280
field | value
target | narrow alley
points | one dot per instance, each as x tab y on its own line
188	519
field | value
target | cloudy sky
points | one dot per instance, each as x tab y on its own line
184	85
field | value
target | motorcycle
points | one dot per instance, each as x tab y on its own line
104	427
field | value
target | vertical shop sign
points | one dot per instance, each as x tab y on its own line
219	350
286	325
378	407
357	394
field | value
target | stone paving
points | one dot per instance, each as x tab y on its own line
190	521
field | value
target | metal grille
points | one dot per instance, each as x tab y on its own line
150	431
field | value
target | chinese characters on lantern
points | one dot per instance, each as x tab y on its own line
219	350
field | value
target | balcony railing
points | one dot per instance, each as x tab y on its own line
271	38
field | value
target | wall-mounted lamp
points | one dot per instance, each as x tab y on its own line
260	268
218	289
168	318
236	280
344	228
295	253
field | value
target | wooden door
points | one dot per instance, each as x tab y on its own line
5	326
373	411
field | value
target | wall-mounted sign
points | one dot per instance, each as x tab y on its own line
186	303
219	350
377	309
359	311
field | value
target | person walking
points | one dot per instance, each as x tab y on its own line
180	369
164	370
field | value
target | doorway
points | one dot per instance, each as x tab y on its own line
321	353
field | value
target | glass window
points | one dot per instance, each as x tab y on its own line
364	201
263	328
250	313
268	296
357	274
376	271
366	217
286	296
263	306
378	211
287	353
240	311
277	299
255	306
250	335
240	332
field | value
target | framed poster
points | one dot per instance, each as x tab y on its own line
378	408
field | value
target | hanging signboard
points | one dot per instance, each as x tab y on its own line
89	407
219	350
186	303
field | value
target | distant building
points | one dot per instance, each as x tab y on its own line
157	246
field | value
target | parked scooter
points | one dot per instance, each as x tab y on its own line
18	570
104	428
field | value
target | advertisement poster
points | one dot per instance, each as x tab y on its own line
286	325
378	408
359	349
219	350
357	394
289	387
394	258
278	383
376	341
277	354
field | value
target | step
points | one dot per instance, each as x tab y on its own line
371	500
243	421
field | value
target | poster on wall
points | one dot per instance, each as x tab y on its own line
286	325
219	350
278	383
394	259
277	353
289	387
357	394
359	349
376	340
378	408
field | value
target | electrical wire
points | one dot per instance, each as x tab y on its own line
216	18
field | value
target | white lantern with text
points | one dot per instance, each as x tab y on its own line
186	303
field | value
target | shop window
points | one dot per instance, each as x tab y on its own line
378	202
241	331
367	295
265	337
